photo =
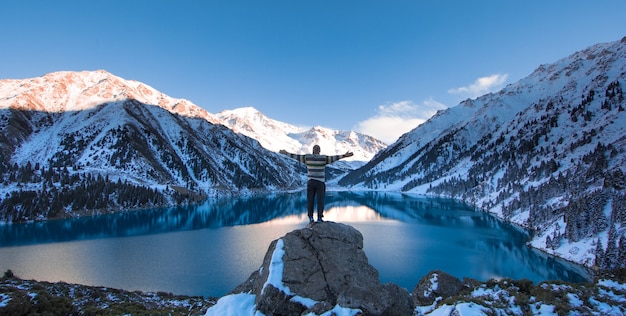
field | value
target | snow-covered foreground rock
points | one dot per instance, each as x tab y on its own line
318	269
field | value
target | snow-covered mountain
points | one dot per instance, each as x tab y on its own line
275	135
77	91
78	134
547	152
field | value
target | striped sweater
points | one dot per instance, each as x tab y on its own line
315	164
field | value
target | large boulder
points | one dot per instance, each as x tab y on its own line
317	269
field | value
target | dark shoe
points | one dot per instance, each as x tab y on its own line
310	219
319	220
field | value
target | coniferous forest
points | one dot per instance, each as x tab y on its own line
55	192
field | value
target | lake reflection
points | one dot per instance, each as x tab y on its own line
211	248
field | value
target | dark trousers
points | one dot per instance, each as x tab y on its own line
315	189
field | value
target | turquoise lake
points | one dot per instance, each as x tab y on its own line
211	248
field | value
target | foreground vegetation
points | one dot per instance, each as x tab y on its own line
606	296
510	297
28	297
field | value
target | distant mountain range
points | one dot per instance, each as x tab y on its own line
275	135
69	134
546	152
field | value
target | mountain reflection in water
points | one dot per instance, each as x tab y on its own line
341	207
209	249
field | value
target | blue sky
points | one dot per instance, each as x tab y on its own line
380	67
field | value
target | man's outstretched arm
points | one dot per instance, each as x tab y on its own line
300	158
331	159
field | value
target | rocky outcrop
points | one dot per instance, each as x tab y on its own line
320	267
436	285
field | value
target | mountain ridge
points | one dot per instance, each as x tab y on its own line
73	91
275	135
546	153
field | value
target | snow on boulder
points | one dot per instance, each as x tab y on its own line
436	285
319	269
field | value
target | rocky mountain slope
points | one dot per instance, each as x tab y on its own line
79	142
546	152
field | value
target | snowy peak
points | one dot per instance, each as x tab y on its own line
76	91
567	80
249	121
275	135
590	68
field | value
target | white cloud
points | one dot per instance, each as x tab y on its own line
482	86
394	119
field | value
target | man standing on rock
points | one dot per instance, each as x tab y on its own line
316	186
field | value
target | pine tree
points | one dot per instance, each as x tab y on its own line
622	252
599	253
